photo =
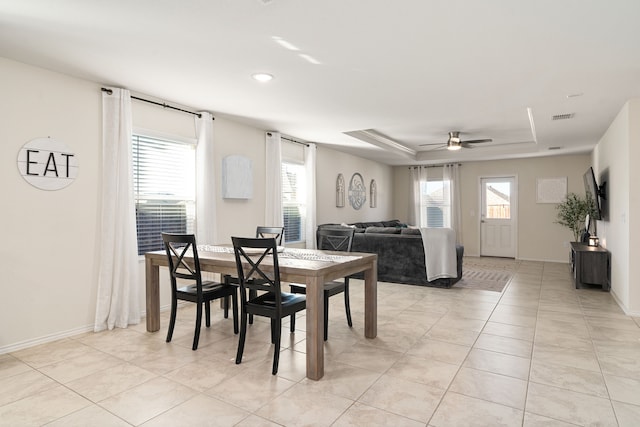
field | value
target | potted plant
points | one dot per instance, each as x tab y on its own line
573	211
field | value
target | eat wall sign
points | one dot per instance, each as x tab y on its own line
47	164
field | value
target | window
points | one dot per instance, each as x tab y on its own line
498	200
164	189
436	204
294	207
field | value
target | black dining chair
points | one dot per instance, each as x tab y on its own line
265	232
275	232
331	240
178	247
260	292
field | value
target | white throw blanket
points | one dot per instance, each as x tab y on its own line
439	253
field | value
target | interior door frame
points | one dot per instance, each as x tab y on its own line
514	209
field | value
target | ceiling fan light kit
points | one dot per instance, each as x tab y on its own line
454	142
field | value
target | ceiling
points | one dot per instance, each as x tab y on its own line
410	71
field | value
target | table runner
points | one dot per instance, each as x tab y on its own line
290	253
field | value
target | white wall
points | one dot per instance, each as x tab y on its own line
330	163
539	237
49	254
634	207
237	217
48	266
615	161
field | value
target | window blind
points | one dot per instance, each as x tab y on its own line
436	205
164	189
293	201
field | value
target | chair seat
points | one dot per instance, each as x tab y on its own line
210	291
330	288
207	287
288	300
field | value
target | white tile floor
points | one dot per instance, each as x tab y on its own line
538	354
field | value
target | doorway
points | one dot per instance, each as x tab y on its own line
498	216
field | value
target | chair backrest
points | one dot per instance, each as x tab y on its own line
250	253
335	239
178	246
275	232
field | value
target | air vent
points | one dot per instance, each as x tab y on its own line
562	116
554	148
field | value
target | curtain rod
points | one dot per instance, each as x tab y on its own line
433	166
291	140
294	141
161	104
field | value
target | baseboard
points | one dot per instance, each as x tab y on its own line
543	260
622	306
521	259
45	339
59	335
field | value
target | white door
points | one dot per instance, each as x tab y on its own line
498	217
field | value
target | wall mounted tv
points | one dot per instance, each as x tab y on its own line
594	192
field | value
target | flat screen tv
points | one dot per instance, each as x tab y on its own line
592	190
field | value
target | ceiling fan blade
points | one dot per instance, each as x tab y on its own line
465	144
439	147
430	143
477	141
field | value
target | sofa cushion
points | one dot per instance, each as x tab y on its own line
410	231
383	230
372	224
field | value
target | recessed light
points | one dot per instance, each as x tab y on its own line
262	77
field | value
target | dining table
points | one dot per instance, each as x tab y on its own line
309	266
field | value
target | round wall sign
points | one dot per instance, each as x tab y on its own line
47	164
357	191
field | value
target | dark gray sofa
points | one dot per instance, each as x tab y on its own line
400	252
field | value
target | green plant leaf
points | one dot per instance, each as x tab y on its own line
573	211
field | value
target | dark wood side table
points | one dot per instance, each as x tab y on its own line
590	265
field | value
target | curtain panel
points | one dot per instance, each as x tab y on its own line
118	301
417	175
310	170
273	206
205	180
451	174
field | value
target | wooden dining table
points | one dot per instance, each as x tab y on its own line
312	267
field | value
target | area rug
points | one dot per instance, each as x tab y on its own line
487	274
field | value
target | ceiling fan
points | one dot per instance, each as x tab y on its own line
455	143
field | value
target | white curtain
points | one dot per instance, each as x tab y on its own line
451	174
310	170
416	176
118	303
205	181
273	206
